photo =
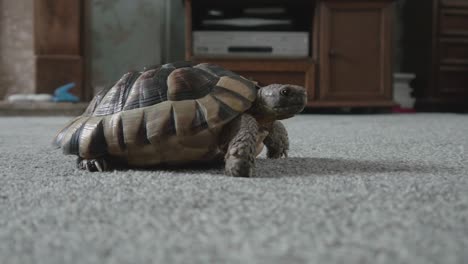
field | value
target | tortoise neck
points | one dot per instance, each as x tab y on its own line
261	114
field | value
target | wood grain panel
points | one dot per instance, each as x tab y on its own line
453	80
188	29
58	35
355	51
54	71
454	51
57	26
454	21
454	3
266	78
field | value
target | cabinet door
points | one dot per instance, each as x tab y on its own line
355	52
58	46
451	51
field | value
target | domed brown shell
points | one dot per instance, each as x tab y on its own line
176	99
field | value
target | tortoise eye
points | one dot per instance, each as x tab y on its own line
285	91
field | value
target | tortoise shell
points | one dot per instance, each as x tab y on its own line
166	106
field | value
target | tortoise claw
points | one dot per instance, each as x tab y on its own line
272	154
98	166
239	167
92	165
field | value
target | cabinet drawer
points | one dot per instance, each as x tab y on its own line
454	51
454	3
454	21
453	79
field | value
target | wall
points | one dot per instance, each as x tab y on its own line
176	33
125	35
16	47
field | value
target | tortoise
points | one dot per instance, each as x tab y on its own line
182	113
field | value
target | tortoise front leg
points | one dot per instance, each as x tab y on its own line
92	165
277	141
240	154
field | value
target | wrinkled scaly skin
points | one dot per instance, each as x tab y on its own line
242	135
242	139
240	153
277	141
261	125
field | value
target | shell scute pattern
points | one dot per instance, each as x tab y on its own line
189	83
68	139
135	132
160	121
92	138
222	72
144	91
155	106
113	129
115	99
184	114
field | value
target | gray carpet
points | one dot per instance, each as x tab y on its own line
357	189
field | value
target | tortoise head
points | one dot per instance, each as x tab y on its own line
279	101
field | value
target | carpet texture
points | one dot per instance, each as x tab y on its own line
357	189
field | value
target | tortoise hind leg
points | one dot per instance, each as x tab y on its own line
240	155
93	165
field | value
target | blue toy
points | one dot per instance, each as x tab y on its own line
62	94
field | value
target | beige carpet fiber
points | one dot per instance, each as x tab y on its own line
357	189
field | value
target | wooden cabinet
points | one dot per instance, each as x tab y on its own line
355	48
439	54
58	45
349	64
450	53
